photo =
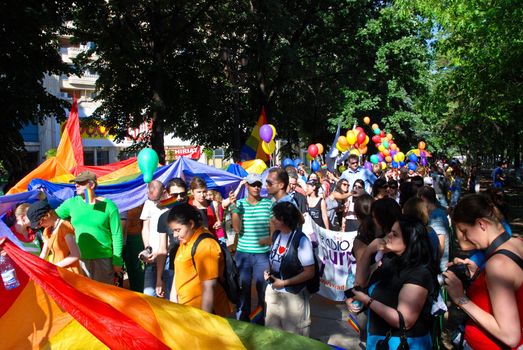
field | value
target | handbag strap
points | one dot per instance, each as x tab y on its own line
403	329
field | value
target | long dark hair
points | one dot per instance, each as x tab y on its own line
386	211
475	206
418	250
362	210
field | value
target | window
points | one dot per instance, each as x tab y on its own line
218	153
102	157
96	156
88	157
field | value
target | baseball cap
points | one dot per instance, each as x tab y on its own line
36	211
85	176
253	178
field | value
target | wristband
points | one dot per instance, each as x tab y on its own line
369	302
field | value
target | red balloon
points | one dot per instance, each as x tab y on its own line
360	129
361	137
376	138
313	150
382	133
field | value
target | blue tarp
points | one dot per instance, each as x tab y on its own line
236	169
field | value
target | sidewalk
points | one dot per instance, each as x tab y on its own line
329	323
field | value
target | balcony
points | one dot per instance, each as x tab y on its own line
88	79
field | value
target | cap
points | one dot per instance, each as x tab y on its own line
36	211
253	178
84	176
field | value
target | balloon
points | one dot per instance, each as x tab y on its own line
374	159
313	150
423	161
393	146
351	137
386	152
147	162
363	150
381	158
355	152
286	162
297	162
395	164
402	163
388	159
366	120
421	145
382	133
374	126
401	156
361	137
342	140
269	147
413	157
389	136
315	166
273	131
383	166
412	166
366	141
381	148
376	139
368	166
339	148
266	133
308	156
385	144
320	148
396	158
376	131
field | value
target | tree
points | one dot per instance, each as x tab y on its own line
30	50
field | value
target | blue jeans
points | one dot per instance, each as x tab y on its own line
149	283
251	267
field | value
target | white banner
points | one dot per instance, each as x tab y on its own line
334	253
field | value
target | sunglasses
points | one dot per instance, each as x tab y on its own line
358	186
178	194
83	183
269	182
256	184
353	163
345	184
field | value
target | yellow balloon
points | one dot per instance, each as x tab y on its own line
320	148
268	148
396	158
366	120
389	136
342	140
308	156
366	140
351	137
340	148
401	156
381	148
355	151
273	131
374	126
383	165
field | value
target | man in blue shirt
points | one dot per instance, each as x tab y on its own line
355	172
498	175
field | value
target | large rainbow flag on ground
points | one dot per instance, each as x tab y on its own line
253	146
54	308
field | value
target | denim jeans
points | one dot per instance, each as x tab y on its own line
149	285
251	267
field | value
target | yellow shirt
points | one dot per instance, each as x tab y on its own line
209	264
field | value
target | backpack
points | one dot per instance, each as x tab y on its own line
312	285
230	280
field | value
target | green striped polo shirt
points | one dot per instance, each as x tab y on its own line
255	225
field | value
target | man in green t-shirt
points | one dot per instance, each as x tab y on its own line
250	221
98	229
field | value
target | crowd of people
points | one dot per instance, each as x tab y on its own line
407	224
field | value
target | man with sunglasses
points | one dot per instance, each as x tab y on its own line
355	172
98	230
250	222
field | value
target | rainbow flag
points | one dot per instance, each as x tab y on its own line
353	322
58	309
167	203
70	153
256	314
89	196
253	146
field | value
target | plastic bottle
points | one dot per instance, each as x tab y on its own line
8	272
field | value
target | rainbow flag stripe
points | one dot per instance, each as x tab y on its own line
167	203
58	309
353	322
89	196
257	314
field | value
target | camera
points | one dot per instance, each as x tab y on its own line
462	272
270	280
349	293
145	254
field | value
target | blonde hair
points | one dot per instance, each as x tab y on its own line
21	209
415	207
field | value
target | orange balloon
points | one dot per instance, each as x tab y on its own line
389	136
363	150
320	148
393	146
388	159
421	145
366	120
342	140
374	126
386	152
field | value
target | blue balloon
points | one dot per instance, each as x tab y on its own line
395	164
402	164
412	166
315	165
297	162
287	162
413	157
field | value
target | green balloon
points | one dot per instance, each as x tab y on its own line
147	162
385	144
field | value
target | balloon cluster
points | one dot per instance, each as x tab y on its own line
355	141
418	155
267	134
388	152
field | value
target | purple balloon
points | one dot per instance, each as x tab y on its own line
380	157
266	133
393	153
423	161
368	166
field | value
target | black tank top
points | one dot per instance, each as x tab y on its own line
315	213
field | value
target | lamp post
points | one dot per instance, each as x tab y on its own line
233	65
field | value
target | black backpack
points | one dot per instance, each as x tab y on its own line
230	281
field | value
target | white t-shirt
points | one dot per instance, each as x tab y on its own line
280	247
152	213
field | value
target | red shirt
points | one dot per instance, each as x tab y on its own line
476	336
